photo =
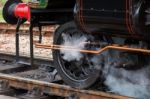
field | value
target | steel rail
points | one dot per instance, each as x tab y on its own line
25	27
25	59
56	89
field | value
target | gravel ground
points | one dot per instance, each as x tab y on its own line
38	74
6	97
7	45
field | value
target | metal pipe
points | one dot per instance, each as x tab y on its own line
101	50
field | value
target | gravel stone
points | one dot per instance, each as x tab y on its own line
6	97
7	45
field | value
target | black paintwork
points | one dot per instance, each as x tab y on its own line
55	12
60	3
123	18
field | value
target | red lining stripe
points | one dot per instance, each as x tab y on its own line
78	1
81	13
128	17
130	20
80	18
127	22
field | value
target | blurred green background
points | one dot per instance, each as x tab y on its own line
2	2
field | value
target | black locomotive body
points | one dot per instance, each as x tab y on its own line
123	18
97	40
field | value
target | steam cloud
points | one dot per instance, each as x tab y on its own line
74	41
133	83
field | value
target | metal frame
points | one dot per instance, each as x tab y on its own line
30	38
17	39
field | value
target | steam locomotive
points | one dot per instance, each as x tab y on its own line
93	37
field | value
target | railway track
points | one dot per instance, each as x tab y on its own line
40	81
34	81
7	41
4	27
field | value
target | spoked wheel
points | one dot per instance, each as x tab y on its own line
73	66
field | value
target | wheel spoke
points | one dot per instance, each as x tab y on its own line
72	66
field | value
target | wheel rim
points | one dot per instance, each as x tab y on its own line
78	70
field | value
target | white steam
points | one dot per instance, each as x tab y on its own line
124	87
133	83
76	41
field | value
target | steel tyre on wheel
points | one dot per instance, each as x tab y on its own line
76	73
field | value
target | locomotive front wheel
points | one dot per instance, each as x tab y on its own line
75	72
